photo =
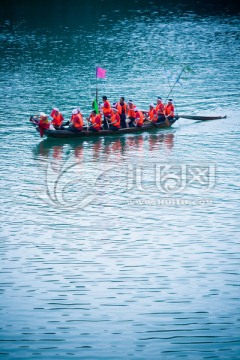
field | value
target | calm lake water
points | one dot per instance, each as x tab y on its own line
127	246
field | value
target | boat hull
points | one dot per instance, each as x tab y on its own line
66	134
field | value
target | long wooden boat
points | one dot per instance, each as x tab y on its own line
202	118
67	134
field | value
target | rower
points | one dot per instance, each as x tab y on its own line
122	110
76	121
130	114
160	110
151	114
78	111
80	114
107	112
43	123
169	110
138	117
115	120
95	120
57	118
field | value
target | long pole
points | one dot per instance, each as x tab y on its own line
178	78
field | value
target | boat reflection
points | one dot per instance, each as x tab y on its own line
102	149
158	141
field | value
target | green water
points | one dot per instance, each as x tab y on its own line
127	246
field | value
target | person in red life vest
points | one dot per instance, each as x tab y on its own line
53	111
122	111
95	120
169	110
151	114
138	117
130	114
160	110
57	118
80	114
115	120
76	121
43	123
107	112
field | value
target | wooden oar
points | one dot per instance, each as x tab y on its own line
155	124
202	118
152	122
87	123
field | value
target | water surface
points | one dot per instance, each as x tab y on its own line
99	259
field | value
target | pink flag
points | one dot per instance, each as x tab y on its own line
100	72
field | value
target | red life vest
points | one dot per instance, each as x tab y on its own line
77	121
152	115
130	111
160	109
139	115
116	118
43	125
57	119
97	121
106	108
169	108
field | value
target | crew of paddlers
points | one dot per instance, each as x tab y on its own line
119	115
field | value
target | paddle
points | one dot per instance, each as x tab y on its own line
155	123
106	119
150	121
87	123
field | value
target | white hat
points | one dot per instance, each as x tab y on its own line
78	109
43	114
136	109
130	101
74	112
151	104
56	109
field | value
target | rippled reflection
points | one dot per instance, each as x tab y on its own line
99	148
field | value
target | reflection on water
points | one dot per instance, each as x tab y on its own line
105	147
157	141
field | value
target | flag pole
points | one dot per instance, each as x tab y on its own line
96	86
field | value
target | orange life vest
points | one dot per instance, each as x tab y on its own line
169	108
97	120
121	108
160	109
106	108
116	118
139	115
57	119
131	112
152	115
77	121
